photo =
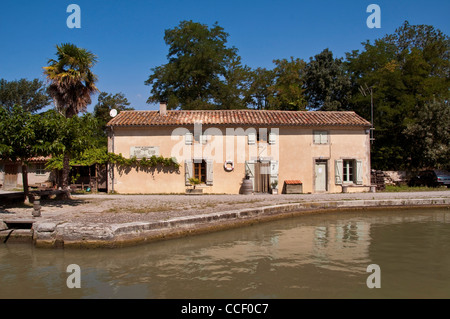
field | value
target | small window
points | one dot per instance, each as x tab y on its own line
261	135
200	171
40	169
320	137
348	171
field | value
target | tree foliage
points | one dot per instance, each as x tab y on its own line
327	84
287	91
71	79
107	102
429	135
20	139
200	66
71	85
407	70
31	95
101	156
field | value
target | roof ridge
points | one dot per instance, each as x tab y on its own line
238	117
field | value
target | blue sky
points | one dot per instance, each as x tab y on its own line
127	36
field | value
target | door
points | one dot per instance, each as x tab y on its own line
262	177
10	175
320	174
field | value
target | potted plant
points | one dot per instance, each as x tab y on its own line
274	185
194	182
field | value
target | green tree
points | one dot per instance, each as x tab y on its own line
107	102
18	139
407	70
429	136
200	66
31	95
259	92
232	91
287	93
71	84
63	137
327	85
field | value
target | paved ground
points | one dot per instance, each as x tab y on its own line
103	208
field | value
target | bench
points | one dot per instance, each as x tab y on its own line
372	188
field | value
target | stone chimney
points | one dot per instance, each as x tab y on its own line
163	108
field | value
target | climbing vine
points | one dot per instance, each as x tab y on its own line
102	156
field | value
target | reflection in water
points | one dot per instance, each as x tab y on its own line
317	256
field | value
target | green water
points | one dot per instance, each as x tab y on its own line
315	256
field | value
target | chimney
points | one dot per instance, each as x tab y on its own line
163	108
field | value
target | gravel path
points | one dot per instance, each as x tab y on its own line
104	208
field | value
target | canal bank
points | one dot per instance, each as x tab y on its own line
75	225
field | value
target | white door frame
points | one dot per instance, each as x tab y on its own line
315	162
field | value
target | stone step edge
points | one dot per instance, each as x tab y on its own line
54	234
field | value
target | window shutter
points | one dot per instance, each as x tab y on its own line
188	171
203	139
338	169
359	175
320	137
209	172
251	138
250	169
316	138
273	171
188	139
274	168
324	137
272	138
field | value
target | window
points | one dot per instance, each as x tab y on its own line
349	171
40	169
348	166
200	171
320	137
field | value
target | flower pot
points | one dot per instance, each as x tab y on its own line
274	191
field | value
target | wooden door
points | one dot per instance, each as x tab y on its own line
262	177
10	175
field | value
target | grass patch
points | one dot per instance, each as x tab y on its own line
405	188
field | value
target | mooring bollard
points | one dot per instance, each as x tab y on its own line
36	206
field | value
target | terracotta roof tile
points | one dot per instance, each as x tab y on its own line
238	117
293	182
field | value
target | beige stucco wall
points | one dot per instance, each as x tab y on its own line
294	149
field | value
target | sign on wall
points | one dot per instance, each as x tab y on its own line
144	151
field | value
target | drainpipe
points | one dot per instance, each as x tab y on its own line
112	173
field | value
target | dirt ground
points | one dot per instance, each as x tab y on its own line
105	208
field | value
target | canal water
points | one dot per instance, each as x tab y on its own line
312	256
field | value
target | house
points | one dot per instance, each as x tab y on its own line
93	176
326	151
11	173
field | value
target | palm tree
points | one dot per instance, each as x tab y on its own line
71	85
